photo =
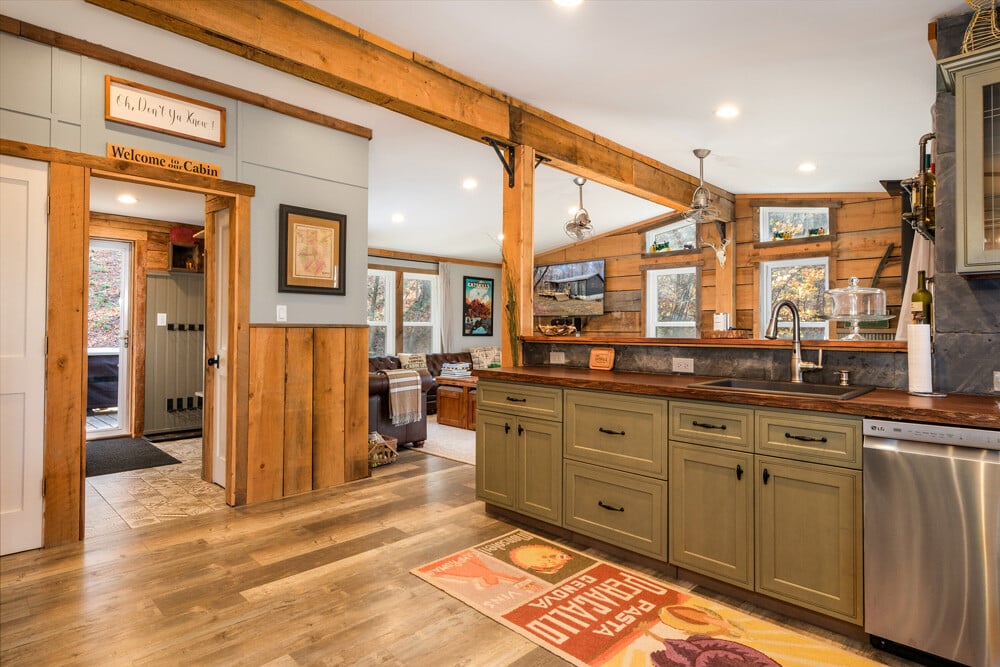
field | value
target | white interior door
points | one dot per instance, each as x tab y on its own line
220	436
23	263
108	336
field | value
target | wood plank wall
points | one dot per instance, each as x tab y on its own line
865	224
308	409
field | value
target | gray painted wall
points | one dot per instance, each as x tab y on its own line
54	98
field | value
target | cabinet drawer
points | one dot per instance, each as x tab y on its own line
712	424
624	432
629	511
810	437
520	399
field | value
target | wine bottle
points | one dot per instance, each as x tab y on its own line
920	301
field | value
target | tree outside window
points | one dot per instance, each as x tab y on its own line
672	309
402	307
381	293
803	282
418	312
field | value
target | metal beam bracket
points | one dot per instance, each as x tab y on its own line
506	160
540	159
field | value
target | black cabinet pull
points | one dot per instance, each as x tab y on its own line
610	432
805	438
520	429
739	471
213	361
517	400
506	427
611	508
721	427
767	475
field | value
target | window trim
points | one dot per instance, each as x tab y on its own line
833	205
435	323
390	308
649	321
764	292
394	305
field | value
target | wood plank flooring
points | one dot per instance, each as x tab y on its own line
316	579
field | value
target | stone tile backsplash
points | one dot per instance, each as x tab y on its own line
880	369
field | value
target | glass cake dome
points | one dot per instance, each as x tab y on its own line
855	304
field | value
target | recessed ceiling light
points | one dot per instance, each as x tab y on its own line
397	218
727	111
568	3
470	184
807	167
127	199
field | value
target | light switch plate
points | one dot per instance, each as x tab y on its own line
996	380
557	357
282	314
161	319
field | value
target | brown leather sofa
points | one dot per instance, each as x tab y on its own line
379	418
434	362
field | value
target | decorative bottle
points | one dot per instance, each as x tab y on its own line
920	301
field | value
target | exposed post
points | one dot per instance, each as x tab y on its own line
518	255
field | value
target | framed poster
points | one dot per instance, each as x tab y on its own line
310	250
477	307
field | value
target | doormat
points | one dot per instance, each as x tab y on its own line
173	435
591	612
105	457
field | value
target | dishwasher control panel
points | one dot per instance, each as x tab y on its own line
933	433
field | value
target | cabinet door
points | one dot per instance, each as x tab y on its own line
496	450
711	512
809	535
539	469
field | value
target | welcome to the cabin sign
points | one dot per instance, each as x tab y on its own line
141	106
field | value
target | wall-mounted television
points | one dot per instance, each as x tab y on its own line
573	289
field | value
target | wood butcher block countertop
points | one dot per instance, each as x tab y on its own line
955	409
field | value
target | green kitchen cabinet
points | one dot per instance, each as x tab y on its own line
712	512
518	457
809	549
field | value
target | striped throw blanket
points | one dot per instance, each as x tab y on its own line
404	396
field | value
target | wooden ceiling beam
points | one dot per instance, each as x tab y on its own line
300	39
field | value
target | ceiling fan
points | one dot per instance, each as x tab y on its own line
702	210
580	227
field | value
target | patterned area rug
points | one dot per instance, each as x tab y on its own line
592	613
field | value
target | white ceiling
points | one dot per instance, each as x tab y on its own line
846	84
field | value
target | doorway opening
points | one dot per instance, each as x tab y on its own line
157	422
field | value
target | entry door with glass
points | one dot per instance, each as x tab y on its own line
108	318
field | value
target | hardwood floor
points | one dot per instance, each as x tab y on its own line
321	578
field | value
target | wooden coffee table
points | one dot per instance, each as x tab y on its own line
456	402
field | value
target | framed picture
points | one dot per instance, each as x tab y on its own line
310	250
477	307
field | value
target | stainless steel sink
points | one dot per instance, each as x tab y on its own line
805	389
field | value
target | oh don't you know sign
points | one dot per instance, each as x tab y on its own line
135	104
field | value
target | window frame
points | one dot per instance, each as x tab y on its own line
650	321
651	232
394	306
764	293
758	206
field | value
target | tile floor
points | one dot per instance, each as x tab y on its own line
126	500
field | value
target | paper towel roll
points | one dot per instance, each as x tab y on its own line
918	357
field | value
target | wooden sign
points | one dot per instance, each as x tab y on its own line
135	104
602	358
140	156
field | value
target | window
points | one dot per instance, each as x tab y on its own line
381	306
419	311
403	312
793	222
801	281
672	302
680	235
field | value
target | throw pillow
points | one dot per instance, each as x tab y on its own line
413	362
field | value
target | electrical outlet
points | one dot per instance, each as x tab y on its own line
681	365
557	357
996	380
282	314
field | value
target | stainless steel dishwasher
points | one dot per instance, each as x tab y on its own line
932	540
